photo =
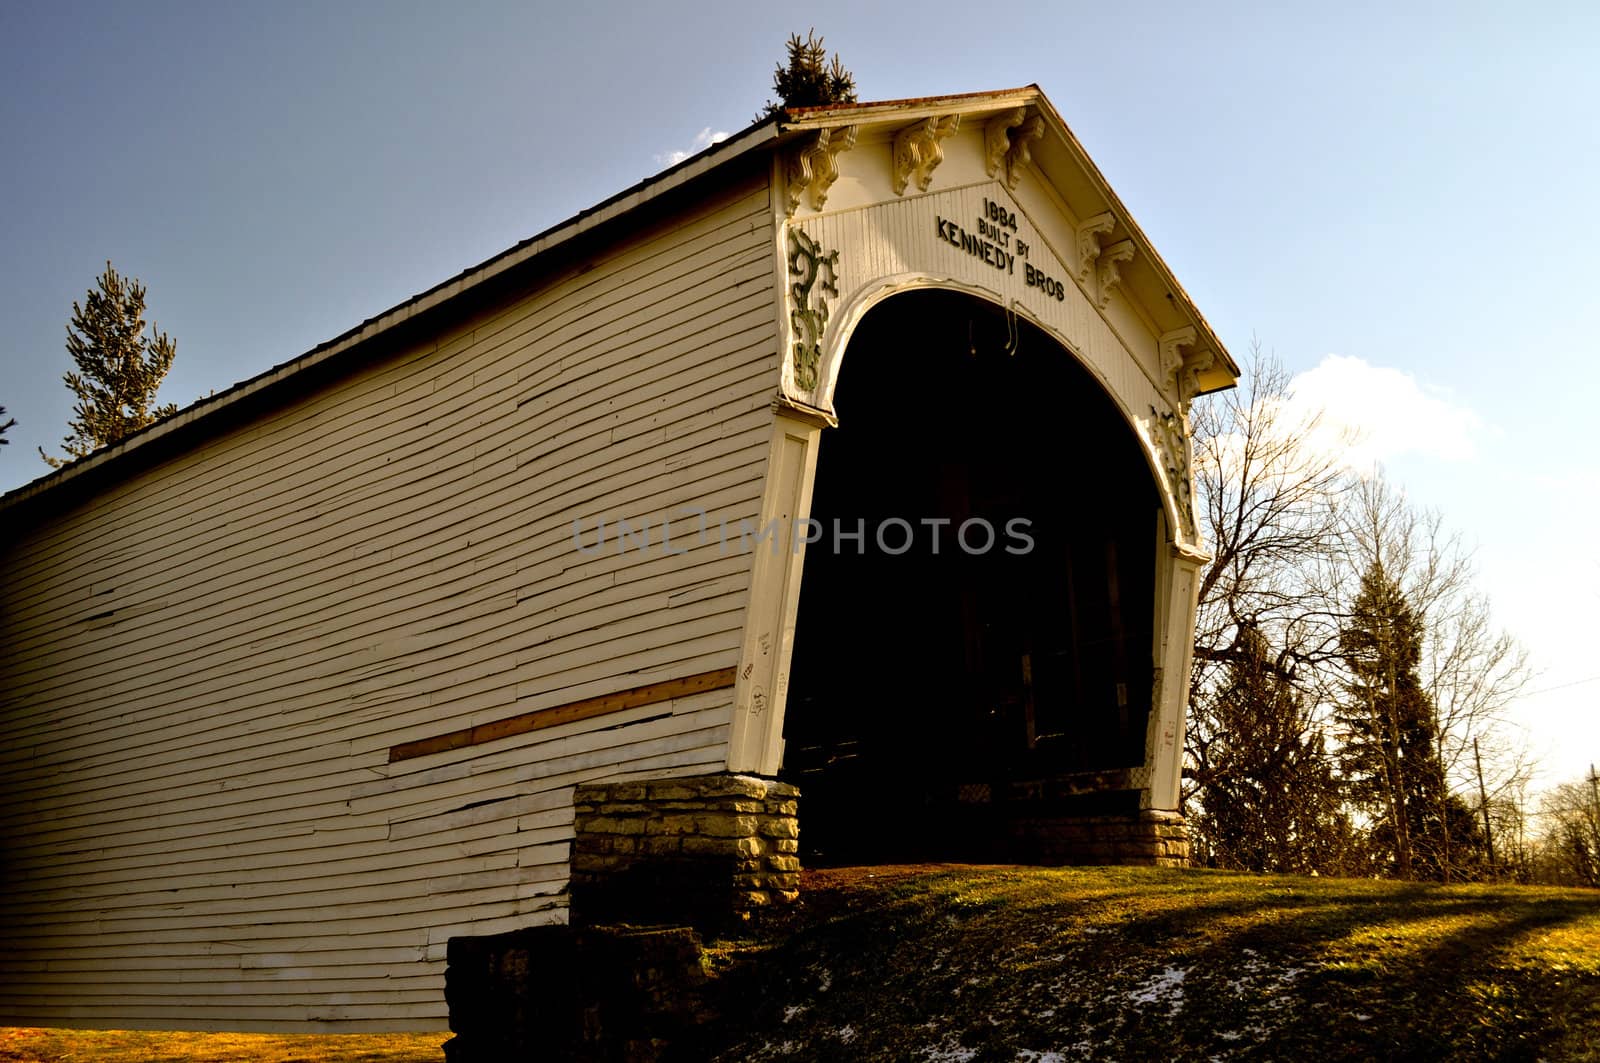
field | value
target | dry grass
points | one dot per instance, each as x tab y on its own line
976	964
28	1045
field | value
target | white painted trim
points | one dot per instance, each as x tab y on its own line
761	688
1178	584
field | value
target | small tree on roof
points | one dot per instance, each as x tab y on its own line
809	79
118	369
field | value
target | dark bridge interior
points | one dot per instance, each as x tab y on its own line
947	692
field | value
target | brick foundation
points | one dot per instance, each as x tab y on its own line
710	851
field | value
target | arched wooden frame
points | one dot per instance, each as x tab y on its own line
761	686
852	310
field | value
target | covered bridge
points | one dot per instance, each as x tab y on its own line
848	455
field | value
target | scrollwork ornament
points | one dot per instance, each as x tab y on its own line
809	268
1170	433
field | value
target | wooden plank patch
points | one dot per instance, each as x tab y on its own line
719	679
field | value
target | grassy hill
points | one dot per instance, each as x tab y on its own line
956	963
963	963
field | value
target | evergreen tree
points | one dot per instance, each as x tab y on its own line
10	423
118	369
809	79
1268	799
1390	749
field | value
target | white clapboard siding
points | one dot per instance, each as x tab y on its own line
208	662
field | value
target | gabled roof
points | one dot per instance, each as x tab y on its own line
1064	163
1058	152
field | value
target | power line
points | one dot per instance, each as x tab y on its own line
1560	686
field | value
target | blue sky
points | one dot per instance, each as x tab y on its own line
1408	187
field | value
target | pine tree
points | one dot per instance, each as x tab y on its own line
1266	792
119	368
808	79
9	424
1390	749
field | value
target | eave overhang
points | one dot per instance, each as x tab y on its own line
1067	168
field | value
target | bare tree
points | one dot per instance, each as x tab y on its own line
1269	506
1269	502
1568	850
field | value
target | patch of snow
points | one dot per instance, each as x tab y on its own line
824	980
845	1034
948	1052
1253	971
793	1011
1164	988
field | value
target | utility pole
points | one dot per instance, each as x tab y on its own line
1594	812
1483	797
1594	805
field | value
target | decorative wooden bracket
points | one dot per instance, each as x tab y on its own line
1171	345
1089	233
1108	267
917	152
1002	146
814	164
1195	362
1182	362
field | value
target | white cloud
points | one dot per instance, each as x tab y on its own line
1374	414
702	140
